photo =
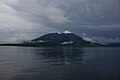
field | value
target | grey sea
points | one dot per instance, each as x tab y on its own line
59	63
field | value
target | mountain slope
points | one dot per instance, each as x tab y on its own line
58	37
65	38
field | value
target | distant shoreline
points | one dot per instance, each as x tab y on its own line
37	45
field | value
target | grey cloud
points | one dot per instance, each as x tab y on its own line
40	10
94	17
97	12
77	12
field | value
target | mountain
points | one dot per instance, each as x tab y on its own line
57	39
62	39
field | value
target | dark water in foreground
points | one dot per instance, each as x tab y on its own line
27	63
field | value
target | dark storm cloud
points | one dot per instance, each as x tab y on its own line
97	12
94	17
82	12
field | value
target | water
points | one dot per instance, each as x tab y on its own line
28	63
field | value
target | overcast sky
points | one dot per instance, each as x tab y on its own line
27	19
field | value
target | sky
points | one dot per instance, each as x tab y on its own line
94	20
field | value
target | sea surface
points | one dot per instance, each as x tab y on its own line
59	63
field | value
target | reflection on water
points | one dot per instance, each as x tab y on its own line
57	55
62	63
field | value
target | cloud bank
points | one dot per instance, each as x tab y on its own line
32	18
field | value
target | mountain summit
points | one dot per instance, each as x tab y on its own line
67	32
